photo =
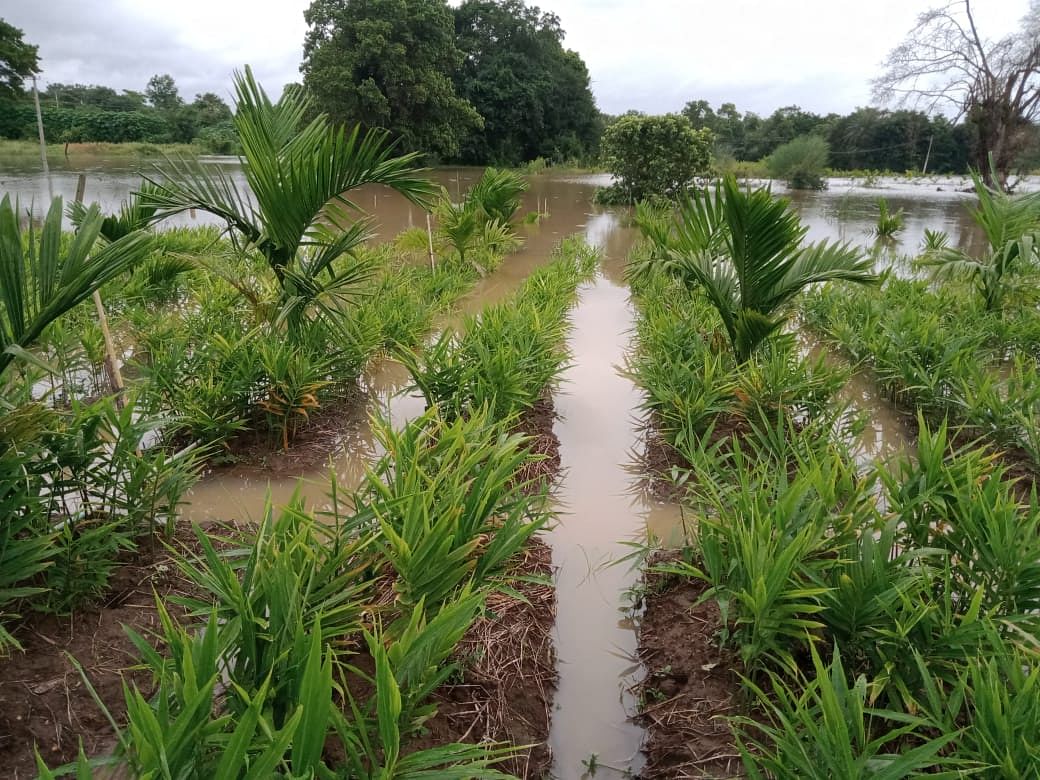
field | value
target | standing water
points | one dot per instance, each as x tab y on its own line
242	493
598	509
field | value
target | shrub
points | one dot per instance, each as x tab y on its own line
654	155
801	162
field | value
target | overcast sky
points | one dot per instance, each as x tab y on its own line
651	55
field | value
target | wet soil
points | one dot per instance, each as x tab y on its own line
691	683
537	424
505	692
315	440
43	699
508	673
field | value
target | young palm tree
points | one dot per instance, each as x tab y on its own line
460	224
1012	227
40	280
744	248
296	213
497	194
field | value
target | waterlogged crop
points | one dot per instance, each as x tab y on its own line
745	250
294	610
505	358
1011	224
917	578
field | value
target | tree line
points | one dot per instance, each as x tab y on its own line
76	113
865	139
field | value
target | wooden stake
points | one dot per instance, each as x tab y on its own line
429	241
115	377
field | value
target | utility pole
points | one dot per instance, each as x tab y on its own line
927	155
43	140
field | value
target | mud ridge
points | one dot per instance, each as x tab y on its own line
691	683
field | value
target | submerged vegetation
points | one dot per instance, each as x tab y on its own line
1011	225
801	162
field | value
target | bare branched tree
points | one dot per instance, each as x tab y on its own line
945	63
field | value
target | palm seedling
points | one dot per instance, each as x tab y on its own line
41	280
1012	228
461	226
888	222
134	214
745	250
497	194
297	214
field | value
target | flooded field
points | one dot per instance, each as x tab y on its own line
600	507
845	211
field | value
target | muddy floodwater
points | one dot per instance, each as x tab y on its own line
598	511
845	211
600	507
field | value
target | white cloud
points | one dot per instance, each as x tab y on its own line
652	55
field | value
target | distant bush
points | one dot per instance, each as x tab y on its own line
801	162
219	139
653	155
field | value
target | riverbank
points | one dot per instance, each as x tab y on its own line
85	153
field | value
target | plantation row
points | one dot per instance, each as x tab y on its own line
843	621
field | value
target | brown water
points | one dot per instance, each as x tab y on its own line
885	434
598	510
845	211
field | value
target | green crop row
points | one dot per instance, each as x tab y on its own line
883	621
506	357
318	639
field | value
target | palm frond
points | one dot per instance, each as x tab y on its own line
744	249
40	280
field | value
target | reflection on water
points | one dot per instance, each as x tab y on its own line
845	211
885	434
598	510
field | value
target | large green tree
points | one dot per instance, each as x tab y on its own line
18	60
533	93
162	92
389	64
